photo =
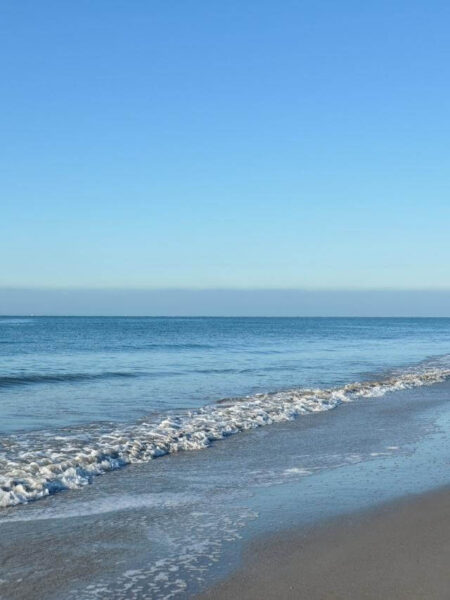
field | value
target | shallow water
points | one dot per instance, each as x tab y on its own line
170	527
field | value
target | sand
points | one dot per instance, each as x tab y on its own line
400	551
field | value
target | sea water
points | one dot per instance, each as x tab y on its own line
234	411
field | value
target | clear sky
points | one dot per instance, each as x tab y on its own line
238	144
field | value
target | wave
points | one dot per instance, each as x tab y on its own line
11	380
36	378
36	465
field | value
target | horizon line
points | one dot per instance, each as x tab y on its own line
222	289
181	316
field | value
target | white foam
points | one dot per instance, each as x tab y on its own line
34	466
297	471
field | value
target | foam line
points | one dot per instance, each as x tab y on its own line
35	465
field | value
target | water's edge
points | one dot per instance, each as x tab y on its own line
43	464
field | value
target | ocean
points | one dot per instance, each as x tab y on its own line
144	450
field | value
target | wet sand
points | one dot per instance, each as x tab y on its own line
400	551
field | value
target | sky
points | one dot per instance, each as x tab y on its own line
199	145
226	302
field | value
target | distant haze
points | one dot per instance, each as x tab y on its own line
374	303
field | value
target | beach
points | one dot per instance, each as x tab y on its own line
400	551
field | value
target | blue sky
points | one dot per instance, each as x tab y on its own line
190	144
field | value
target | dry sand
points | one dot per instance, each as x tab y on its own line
398	552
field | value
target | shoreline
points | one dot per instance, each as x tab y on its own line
397	551
180	525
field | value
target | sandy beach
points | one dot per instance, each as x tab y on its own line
398	552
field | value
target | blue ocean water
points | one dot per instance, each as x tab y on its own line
56	372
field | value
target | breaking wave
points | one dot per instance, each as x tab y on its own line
35	465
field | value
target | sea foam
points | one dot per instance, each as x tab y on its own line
35	465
